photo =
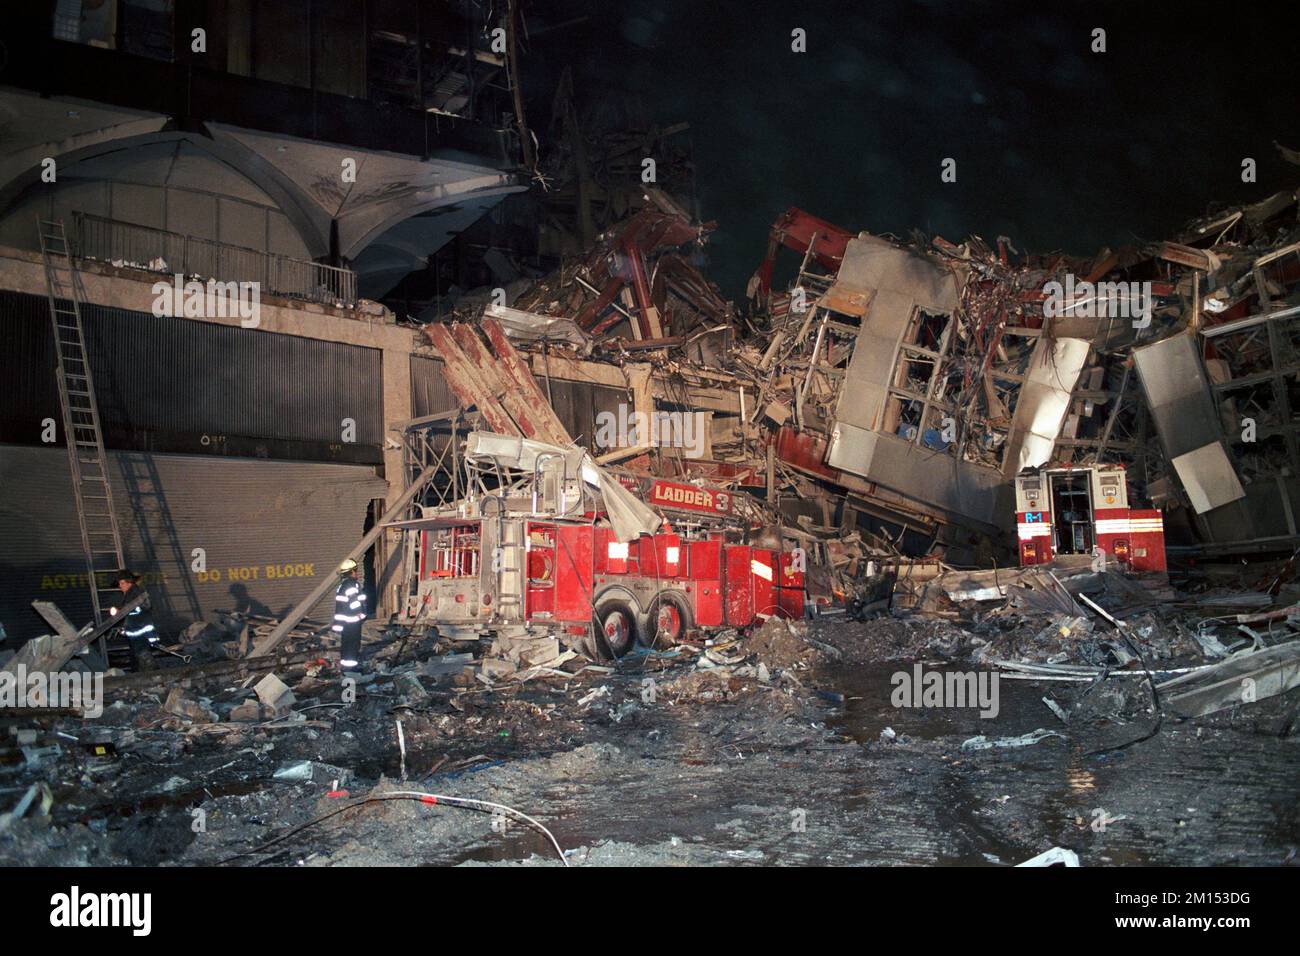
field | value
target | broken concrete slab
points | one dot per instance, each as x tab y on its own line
251	712
494	667
539	652
447	664
275	694
178	702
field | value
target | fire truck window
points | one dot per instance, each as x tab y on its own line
1072	525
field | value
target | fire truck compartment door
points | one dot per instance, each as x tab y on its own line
573	573
706	576
790	593
739	585
763	568
1109	489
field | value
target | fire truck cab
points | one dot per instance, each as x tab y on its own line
1084	510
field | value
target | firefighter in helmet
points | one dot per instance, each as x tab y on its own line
138	628
349	612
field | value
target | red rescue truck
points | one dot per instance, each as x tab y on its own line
508	567
1085	510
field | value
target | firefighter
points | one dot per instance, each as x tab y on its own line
138	628
349	612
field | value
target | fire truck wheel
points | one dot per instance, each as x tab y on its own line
667	622
618	630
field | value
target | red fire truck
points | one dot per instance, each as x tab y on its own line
1084	510
537	562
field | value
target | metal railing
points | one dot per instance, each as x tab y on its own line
158	250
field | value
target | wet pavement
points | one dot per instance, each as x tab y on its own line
717	768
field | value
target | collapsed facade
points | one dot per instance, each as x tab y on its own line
878	401
899	389
581	483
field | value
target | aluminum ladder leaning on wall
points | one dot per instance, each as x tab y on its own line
100	538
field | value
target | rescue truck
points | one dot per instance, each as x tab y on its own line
1084	510
541	556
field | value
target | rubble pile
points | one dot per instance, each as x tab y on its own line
840	397
917	452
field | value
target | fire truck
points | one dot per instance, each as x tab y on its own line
537	550
1084	510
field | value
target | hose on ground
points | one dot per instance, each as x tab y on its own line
431	799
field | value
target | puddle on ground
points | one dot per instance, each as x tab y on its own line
190	797
868	707
521	841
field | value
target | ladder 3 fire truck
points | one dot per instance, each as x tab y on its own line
544	540
1084	510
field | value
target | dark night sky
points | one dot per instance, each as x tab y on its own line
1057	147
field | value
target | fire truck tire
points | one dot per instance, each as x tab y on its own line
616	617
667	621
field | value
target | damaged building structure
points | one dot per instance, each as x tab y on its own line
900	388
889	390
449	353
226	433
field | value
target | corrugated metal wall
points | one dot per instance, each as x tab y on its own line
429	392
189	378
578	403
268	529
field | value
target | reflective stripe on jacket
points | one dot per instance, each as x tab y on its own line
349	603
139	620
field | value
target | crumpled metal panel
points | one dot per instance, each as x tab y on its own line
1187	422
1208	477
930	477
628	515
1044	402
1177	394
532	326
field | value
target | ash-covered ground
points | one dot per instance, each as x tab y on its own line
785	746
